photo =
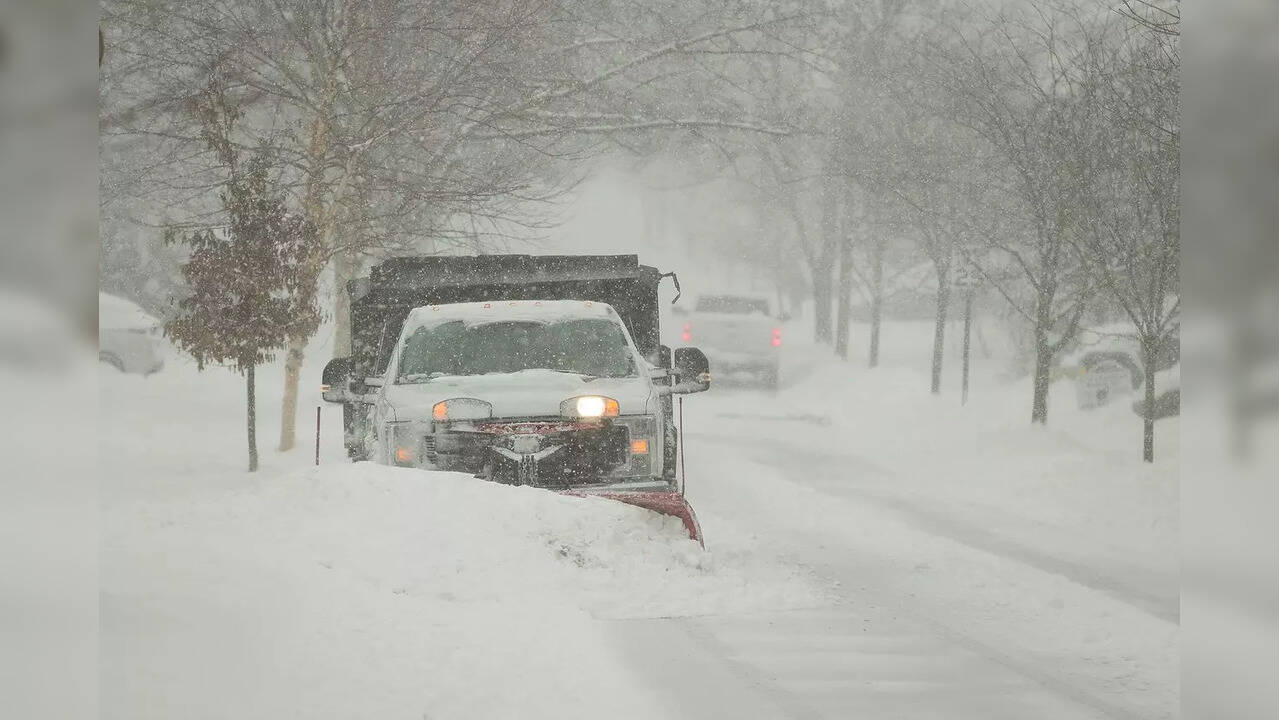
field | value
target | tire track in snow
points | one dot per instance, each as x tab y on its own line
1069	685
785	458
839	662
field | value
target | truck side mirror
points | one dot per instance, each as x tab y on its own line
334	379
693	371
664	356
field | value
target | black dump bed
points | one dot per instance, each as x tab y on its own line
380	302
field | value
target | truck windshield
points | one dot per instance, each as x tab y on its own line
587	346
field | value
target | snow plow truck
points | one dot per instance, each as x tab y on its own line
520	369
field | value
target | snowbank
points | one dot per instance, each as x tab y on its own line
367	591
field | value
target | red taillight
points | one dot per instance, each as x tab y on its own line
688	332
777	337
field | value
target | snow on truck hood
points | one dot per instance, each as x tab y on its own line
527	393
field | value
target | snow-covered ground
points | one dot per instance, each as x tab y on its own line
365	591
872	551
1049	555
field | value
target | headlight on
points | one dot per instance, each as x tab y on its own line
589	406
462	409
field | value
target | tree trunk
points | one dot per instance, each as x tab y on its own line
289	407
876	299
968	343
1043	362
821	299
252	413
313	204
1148	417
1043	366
939	325
830	246
344	268
845	297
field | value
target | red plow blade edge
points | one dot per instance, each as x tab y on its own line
666	503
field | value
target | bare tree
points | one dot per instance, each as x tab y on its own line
1025	83
1134	241
1161	16
843	223
858	64
439	123
920	197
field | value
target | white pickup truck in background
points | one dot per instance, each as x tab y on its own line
739	333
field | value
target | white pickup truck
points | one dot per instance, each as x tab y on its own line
540	392
739	333
536	370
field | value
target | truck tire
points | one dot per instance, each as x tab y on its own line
354	433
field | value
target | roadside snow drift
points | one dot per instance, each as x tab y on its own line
367	591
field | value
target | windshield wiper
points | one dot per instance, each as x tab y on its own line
427	377
585	377
420	377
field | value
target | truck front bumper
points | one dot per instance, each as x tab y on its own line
548	452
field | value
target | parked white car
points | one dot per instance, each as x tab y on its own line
1107	364
129	339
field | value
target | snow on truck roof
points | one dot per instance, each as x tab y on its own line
480	313
426	271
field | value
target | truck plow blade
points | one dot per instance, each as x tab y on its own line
666	503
